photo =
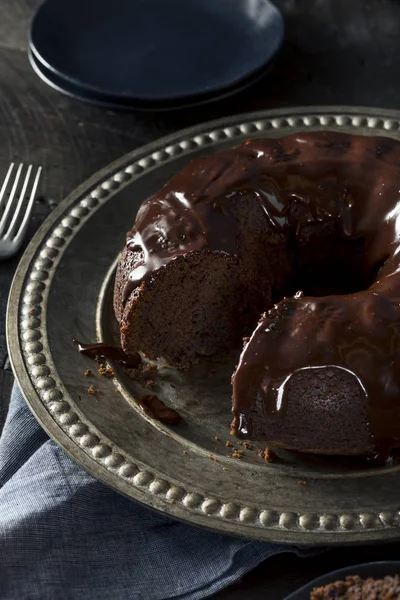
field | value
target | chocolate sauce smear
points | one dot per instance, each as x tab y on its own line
305	179
111	352
156	409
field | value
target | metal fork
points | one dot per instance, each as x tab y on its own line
14	212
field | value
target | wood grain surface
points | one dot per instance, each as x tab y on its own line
335	52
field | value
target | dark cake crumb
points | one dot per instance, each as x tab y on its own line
147	374
185	452
267	455
302	482
356	588
105	371
87	372
237	454
246	445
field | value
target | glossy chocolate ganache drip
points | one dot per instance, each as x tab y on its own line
174	222
354	181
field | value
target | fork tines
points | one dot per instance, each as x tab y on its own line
17	196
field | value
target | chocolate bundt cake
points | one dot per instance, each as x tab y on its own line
306	227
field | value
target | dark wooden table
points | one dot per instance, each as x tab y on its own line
335	52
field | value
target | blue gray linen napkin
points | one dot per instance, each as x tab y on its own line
64	535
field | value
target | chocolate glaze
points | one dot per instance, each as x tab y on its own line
301	180
111	352
156	409
173	223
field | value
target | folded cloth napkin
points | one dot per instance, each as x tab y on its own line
64	535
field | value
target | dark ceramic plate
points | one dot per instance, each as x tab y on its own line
68	88
153	50
373	569
79	92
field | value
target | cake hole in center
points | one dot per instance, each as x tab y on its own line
336	279
334	268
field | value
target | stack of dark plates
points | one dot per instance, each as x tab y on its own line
153	54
